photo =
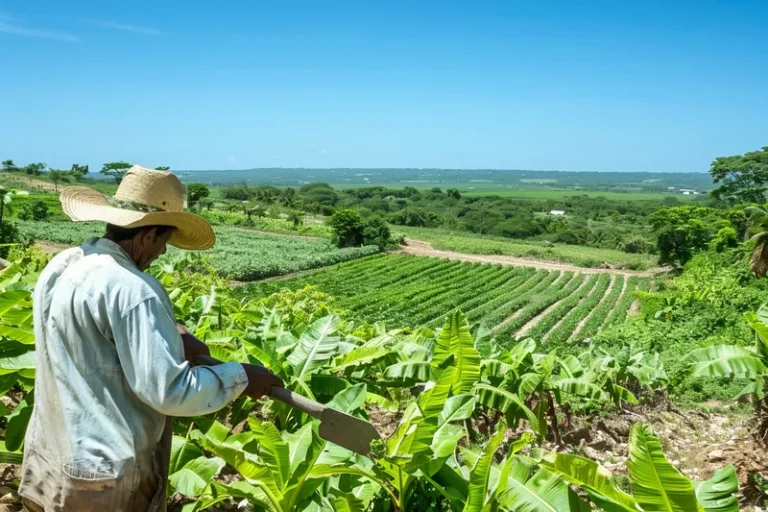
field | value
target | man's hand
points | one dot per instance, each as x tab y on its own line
193	347
260	381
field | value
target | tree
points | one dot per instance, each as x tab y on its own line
454	193
57	177
297	218
163	168
684	230
196	192
376	232
115	169
35	168
347	226
77	168
9	166
741	178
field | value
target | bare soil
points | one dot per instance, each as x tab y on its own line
419	248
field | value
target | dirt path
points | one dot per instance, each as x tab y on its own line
419	248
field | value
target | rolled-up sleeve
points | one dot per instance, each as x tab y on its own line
146	339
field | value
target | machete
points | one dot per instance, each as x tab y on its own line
337	427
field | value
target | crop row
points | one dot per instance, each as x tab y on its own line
619	314
570	324
556	314
240	254
540	303
507	309
411	290
601	312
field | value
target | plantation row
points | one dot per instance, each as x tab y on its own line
241	254
557	307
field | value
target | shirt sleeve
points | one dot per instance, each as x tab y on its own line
148	346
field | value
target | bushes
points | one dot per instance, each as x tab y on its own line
37	210
350	229
9	234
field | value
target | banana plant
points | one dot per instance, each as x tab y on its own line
278	469
736	361
17	350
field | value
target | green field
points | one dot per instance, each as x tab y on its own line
472	243
538	193
404	290
239	253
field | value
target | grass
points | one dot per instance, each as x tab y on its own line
574	254
239	254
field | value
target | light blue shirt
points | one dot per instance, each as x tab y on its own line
110	369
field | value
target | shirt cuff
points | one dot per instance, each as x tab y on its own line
233	376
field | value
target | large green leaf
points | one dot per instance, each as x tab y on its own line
182	451
505	401
299	443
759	323
530	489
717	493
275	453
656	484
456	340
18	422
361	356
408	373
725	361
194	477
480	473
316	346
592	477
350	399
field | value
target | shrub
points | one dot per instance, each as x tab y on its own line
37	210
347	226
9	234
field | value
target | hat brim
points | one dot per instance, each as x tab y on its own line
85	204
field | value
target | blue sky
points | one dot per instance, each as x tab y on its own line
627	86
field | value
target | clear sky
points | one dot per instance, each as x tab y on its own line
613	85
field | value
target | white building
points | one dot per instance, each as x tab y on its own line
557	212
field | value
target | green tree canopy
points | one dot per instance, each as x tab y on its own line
347	226
115	169
196	192
9	166
35	168
742	178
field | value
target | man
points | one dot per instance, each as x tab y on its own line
111	366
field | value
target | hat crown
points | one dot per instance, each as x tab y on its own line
161	190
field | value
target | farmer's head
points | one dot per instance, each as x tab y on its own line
145	214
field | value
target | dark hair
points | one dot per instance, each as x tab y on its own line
119	234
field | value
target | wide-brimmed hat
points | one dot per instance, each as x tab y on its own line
145	197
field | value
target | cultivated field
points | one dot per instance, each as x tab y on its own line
553	306
240	254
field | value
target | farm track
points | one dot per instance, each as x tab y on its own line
419	248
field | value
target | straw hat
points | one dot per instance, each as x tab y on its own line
145	197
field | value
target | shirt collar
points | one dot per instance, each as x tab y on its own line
108	246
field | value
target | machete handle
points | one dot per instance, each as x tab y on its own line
286	396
